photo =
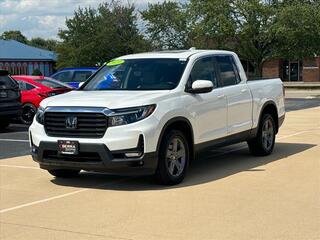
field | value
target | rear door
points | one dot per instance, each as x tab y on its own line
9	91
239	99
64	76
28	92
79	77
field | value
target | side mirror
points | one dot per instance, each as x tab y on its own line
80	84
201	86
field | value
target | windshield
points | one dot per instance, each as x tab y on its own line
51	83
137	74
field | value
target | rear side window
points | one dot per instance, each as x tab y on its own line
81	76
204	69
7	82
65	76
29	86
22	85
25	86
228	73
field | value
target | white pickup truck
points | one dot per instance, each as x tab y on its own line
152	113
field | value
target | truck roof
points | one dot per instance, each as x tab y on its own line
181	54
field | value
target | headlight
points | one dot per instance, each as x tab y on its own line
40	115
129	115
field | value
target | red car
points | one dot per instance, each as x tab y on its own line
33	90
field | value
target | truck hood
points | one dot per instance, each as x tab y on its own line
108	99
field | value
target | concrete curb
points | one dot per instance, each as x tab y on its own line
301	85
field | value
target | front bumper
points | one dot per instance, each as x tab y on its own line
93	157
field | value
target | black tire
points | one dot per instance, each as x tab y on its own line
28	112
259	146
4	124
64	173
180	161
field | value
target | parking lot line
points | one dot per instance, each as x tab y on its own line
13	140
17	166
87	189
43	200
60	196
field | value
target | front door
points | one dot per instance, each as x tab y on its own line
208	109
294	71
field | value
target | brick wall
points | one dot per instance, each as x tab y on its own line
271	68
311	69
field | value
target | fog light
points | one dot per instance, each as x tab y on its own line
34	149
133	154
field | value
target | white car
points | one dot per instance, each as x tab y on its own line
152	113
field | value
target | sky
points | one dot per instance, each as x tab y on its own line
44	18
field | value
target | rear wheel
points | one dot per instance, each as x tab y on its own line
173	158
28	112
263	143
64	173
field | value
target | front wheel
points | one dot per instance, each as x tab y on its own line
263	143
64	173
173	158
28	112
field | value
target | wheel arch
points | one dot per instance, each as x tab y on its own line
270	107
182	124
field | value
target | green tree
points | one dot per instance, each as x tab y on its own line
297	29
167	25
212	24
48	44
36	72
14	35
258	30
254	39
97	35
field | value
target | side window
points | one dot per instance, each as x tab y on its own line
81	76
22	85
29	86
204	69
64	76
7	81
227	72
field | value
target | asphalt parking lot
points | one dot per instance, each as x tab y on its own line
228	193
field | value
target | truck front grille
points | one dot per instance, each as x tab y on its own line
86	125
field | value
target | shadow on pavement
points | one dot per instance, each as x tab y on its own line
206	168
15	128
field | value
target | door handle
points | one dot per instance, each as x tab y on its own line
221	96
243	90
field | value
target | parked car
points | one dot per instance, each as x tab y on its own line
152	113
74	76
10	104
33	90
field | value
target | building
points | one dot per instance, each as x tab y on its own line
307	70
21	59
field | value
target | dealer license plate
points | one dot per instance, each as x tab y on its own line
68	147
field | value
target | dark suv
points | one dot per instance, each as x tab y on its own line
10	99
